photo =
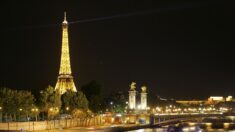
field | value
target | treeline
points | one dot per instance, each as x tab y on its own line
21	105
16	103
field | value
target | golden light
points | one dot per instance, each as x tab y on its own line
209	109
158	109
208	124
65	79
226	125
0	107
229	98
20	109
139	106
65	67
51	109
67	108
191	123
148	108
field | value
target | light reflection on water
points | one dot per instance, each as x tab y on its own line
165	130
221	124
194	128
151	130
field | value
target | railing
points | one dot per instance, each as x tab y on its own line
164	119
52	124
95	121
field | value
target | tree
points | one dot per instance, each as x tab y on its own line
73	100
8	105
120	108
92	91
49	102
16	103
24	101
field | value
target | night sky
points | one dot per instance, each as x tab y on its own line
181	50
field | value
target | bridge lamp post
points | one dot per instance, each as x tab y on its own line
111	106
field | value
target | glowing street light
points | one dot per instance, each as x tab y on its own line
67	108
35	111
51	109
148	108
139	106
158	109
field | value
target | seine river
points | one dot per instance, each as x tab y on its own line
206	125
185	129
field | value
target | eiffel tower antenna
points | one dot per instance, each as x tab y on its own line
65	16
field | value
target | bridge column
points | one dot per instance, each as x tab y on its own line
152	119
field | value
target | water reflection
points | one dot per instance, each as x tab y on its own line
220	124
151	130
184	129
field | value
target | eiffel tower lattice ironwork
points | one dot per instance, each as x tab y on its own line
65	79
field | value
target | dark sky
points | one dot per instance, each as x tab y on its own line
182	49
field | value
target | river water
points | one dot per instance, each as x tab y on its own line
206	125
186	129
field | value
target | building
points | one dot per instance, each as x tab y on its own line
191	102
229	98
143	98
142	105
215	99
65	79
212	100
132	96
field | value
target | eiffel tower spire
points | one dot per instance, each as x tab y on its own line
65	79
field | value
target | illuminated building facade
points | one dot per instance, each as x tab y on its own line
229	98
65	79
215	99
143	97
191	102
211	100
132	96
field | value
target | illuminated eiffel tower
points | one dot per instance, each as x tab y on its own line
65	79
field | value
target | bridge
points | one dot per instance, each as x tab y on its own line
157	120
163	120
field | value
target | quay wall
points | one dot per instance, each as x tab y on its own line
48	125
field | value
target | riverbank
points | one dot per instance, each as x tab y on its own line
106	128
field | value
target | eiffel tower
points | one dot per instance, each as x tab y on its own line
65	79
